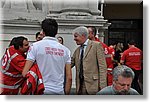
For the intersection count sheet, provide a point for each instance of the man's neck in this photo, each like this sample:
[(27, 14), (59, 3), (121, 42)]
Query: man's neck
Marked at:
[(130, 46)]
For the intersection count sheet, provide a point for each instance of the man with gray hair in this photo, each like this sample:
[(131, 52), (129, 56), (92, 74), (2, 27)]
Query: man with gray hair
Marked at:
[(90, 64), (122, 79)]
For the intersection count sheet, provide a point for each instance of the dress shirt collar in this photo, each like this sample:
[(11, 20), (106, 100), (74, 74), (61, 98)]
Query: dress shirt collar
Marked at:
[(86, 42)]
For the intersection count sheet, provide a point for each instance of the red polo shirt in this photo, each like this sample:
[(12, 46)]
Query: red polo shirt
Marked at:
[(132, 58)]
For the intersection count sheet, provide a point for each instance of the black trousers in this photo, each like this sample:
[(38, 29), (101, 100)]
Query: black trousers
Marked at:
[(135, 83)]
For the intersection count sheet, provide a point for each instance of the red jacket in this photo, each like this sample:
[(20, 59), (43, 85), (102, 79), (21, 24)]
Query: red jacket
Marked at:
[(33, 83), (108, 58), (12, 64)]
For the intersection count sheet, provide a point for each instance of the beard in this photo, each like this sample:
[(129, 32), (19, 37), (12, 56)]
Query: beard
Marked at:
[(122, 92)]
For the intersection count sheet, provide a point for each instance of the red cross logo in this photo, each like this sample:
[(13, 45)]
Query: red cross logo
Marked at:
[(4, 61)]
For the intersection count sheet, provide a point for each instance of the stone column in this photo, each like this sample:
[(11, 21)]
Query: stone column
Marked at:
[(88, 7), (101, 35)]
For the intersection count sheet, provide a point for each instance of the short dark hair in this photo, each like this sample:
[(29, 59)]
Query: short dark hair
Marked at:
[(38, 33), (19, 42), (131, 42), (113, 43), (50, 27)]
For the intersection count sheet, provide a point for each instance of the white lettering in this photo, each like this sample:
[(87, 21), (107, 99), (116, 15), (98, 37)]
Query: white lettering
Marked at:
[(134, 54)]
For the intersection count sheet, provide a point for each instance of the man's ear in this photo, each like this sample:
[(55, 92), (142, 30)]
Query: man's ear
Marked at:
[(83, 35), (42, 33)]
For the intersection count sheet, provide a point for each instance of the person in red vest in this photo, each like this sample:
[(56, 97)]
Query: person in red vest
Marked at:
[(132, 57), (92, 36), (12, 64), (112, 48)]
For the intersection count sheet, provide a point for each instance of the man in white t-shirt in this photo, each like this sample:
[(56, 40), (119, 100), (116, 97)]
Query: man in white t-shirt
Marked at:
[(52, 58)]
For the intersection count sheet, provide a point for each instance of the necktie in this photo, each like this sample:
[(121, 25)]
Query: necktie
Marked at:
[(81, 65)]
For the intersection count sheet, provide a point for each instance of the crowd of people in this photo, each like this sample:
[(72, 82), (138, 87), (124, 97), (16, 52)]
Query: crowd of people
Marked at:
[(45, 67)]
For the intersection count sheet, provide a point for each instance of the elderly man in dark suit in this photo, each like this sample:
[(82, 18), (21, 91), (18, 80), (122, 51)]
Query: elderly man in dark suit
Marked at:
[(90, 64)]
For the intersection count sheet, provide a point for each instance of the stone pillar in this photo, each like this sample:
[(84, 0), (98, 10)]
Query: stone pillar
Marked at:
[(102, 3), (74, 7), (101, 36)]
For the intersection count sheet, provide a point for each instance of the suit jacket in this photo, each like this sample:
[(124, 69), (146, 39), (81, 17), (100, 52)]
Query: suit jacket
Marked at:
[(94, 67)]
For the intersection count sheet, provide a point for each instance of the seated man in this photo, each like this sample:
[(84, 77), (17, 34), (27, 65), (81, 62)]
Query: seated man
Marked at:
[(122, 79)]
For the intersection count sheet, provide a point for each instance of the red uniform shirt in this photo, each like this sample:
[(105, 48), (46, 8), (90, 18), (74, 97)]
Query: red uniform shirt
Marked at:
[(107, 55), (112, 51), (132, 57)]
